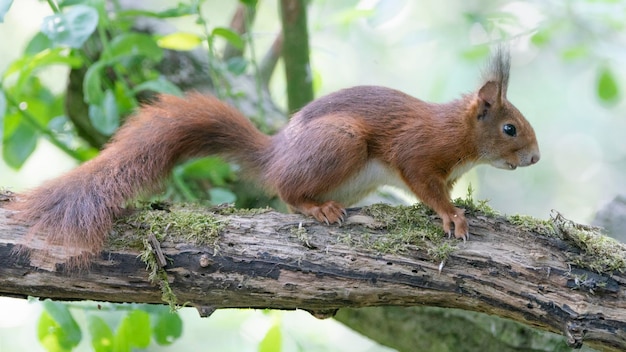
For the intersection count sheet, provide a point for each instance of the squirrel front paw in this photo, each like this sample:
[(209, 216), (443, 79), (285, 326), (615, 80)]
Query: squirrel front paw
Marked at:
[(461, 228)]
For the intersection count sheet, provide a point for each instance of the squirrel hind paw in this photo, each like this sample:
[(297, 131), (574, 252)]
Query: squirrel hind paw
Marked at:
[(329, 212)]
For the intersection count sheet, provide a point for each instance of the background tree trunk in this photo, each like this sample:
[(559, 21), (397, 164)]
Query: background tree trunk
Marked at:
[(296, 53)]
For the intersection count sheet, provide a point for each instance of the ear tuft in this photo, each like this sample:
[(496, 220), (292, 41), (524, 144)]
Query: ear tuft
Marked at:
[(497, 73)]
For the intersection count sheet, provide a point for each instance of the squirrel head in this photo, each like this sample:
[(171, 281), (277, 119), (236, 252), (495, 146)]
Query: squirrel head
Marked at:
[(505, 138)]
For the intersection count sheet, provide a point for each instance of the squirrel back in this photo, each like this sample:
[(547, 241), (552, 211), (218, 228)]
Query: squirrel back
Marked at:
[(331, 154)]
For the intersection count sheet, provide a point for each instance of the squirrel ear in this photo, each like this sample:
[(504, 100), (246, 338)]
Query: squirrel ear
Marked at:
[(490, 93)]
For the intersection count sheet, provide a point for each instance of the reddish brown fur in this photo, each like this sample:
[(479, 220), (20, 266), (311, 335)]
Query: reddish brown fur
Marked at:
[(363, 133)]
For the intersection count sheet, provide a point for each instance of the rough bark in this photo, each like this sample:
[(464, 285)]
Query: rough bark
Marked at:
[(281, 261)]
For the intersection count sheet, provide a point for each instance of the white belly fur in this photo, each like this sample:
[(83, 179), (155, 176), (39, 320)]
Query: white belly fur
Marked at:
[(460, 170), (373, 175), (376, 174)]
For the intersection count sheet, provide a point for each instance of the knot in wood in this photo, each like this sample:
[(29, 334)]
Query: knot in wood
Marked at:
[(205, 261)]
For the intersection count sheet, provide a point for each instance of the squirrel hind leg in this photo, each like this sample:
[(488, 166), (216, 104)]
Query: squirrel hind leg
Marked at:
[(313, 161)]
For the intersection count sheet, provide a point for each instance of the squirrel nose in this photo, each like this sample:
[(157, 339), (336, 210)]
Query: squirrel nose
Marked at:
[(535, 158)]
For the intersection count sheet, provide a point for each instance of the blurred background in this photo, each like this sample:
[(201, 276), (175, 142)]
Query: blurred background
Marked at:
[(567, 78)]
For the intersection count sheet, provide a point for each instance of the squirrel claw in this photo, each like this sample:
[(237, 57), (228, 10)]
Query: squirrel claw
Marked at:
[(465, 237)]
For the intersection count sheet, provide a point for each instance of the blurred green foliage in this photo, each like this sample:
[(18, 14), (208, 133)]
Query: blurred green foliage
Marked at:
[(114, 81), (111, 327)]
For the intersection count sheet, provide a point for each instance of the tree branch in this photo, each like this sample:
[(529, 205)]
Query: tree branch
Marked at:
[(286, 261)]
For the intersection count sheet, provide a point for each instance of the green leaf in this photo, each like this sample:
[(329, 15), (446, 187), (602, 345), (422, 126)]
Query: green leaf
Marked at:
[(12, 120), (19, 142), (54, 56), (213, 169), (575, 52), (180, 41), (476, 52), (249, 2), (220, 195), (92, 83), (26, 66), (237, 65), (5, 5), (317, 81), (541, 38), (233, 38), (133, 331), (272, 342), (38, 100), (86, 153), (134, 44), (38, 43), (72, 28), (58, 124), (160, 85), (181, 10), (3, 113), (22, 124), (57, 323), (167, 327), (101, 334), (125, 98), (348, 17), (50, 334), (607, 86), (105, 117), (69, 3), (3, 106)]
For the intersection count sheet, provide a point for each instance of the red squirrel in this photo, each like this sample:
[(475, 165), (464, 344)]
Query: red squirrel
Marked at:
[(332, 153)]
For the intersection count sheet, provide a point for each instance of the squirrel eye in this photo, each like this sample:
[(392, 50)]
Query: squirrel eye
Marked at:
[(510, 130)]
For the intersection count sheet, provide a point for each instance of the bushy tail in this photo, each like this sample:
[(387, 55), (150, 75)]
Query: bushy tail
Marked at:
[(70, 216)]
